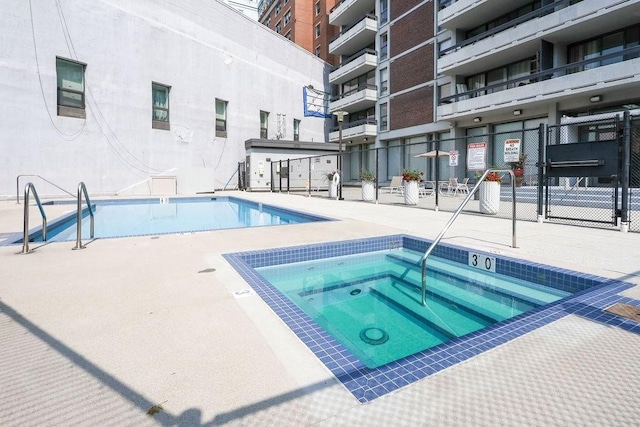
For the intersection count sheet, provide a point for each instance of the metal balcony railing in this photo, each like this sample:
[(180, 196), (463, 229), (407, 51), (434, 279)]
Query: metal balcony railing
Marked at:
[(545, 10), (356, 90), (552, 73)]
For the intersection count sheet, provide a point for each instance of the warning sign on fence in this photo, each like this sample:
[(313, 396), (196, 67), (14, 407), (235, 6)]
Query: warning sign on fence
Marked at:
[(511, 150)]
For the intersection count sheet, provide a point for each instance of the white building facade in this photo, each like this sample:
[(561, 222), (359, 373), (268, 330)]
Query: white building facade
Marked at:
[(114, 93)]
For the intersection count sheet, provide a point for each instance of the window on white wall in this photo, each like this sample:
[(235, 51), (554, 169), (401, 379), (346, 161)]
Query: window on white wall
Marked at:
[(221, 118), (296, 130), (264, 124), (160, 105), (70, 76)]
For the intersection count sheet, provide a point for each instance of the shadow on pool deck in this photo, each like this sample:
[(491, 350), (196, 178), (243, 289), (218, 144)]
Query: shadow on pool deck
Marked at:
[(72, 362)]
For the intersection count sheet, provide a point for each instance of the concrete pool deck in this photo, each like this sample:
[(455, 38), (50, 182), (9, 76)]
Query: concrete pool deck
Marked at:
[(100, 336)]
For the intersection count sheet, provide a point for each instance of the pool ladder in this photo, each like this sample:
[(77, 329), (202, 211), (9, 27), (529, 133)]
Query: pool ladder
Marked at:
[(455, 215), (82, 189), (25, 230)]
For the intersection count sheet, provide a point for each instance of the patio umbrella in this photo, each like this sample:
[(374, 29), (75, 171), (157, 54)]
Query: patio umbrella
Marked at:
[(433, 154)]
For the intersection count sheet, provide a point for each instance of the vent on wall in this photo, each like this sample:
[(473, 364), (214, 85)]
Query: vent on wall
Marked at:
[(164, 185)]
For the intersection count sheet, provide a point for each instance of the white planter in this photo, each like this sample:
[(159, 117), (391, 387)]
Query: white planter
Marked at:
[(333, 190), (368, 191), (489, 197), (411, 192)]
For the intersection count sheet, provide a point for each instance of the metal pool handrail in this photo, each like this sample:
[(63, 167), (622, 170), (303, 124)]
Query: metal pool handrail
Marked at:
[(455, 215), (82, 189), (25, 232), (37, 176)]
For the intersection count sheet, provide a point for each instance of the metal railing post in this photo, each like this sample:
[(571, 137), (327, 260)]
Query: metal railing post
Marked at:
[(25, 229), (82, 189), (455, 215)]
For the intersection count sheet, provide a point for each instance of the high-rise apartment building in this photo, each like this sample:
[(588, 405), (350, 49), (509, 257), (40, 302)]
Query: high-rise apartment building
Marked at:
[(249, 8), (406, 80), (354, 80), (304, 22), (490, 67)]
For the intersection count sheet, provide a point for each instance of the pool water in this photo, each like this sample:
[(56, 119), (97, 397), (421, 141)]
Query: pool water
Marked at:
[(516, 283), (139, 217), (371, 303)]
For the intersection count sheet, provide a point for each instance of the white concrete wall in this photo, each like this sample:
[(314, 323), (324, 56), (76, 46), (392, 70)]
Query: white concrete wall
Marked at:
[(203, 49)]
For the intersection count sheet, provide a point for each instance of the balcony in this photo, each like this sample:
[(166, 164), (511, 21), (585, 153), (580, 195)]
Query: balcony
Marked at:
[(470, 13), (356, 37), (521, 39), (358, 132), (348, 11), (361, 98), (360, 63), (566, 86)]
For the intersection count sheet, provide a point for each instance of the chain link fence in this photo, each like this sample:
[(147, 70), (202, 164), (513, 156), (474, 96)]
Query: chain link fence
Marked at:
[(450, 169)]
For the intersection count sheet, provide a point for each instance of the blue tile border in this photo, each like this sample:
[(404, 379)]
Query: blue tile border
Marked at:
[(590, 295)]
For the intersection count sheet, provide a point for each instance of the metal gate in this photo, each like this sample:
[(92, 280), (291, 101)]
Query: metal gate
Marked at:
[(585, 178)]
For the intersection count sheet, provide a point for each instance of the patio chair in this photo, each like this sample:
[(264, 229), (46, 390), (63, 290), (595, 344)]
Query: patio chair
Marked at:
[(427, 189), (449, 188), (395, 185), (463, 187)]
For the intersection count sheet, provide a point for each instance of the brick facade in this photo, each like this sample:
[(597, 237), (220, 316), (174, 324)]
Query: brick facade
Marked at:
[(411, 109), (301, 28), (411, 30), (398, 7), (411, 69)]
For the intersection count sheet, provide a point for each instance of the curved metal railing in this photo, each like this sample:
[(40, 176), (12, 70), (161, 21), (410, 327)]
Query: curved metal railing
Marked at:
[(82, 189), (36, 176), (25, 232), (455, 215)]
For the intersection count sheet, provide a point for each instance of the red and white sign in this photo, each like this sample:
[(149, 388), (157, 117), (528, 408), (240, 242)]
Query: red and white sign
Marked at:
[(477, 156), (453, 158), (511, 150)]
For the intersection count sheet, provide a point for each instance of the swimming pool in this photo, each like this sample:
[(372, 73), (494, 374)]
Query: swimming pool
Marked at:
[(577, 292), (153, 216)]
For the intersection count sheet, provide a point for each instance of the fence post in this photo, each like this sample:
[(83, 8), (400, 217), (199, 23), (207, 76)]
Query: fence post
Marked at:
[(626, 172), (377, 172), (541, 168)]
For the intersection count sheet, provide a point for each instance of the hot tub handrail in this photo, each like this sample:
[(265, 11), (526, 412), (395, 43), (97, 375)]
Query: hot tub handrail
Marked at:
[(25, 232), (82, 189), (455, 215)]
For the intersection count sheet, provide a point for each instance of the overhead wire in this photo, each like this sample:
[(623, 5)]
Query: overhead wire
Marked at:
[(63, 135), (103, 124), (140, 169)]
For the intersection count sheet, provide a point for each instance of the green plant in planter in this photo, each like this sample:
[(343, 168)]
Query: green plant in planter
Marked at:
[(367, 176)]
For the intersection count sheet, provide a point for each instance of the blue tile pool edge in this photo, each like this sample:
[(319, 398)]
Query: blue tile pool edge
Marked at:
[(591, 295)]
